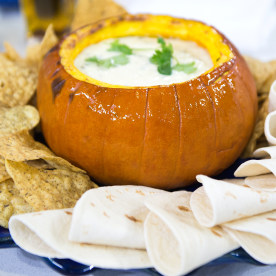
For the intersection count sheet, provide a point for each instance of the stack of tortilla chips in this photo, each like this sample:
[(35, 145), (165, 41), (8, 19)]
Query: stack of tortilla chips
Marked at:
[(32, 178)]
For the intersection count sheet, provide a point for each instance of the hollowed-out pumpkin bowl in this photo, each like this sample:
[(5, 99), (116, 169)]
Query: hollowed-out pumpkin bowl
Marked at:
[(158, 136)]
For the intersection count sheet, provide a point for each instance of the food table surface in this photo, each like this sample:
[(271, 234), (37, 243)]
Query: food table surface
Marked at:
[(255, 19), (16, 262)]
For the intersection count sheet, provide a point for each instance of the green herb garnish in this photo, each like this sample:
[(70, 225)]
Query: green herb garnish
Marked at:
[(116, 46), (109, 62), (162, 58), (187, 68), (121, 59)]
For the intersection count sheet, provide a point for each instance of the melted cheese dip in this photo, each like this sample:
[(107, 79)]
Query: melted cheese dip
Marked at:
[(140, 71)]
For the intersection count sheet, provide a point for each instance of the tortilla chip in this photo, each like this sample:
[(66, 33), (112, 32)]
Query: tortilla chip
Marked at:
[(11, 203), (21, 147), (49, 40), (18, 80), (264, 73), (11, 53), (257, 139), (36, 53), (17, 118), (90, 11), (3, 173), (18, 76), (39, 164), (48, 189)]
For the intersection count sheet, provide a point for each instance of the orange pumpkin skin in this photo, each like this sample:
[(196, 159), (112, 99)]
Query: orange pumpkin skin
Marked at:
[(161, 136)]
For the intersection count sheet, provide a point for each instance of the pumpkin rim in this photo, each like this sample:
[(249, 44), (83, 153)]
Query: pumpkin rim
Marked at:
[(143, 25)]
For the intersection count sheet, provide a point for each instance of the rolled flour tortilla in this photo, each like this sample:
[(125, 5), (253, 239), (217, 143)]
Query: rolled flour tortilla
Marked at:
[(256, 235), (46, 234), (112, 215), (270, 128), (175, 241), (270, 121), (105, 227), (272, 97), (265, 182), (266, 152), (220, 201), (256, 167)]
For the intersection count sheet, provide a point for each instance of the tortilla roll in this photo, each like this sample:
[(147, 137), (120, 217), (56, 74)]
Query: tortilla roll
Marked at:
[(270, 128), (256, 235), (264, 73), (266, 152), (220, 201), (46, 234), (175, 241), (272, 97), (23, 229), (256, 167), (266, 182), (112, 216)]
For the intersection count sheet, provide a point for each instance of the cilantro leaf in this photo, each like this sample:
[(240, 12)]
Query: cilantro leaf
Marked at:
[(120, 60), (162, 58), (116, 46), (109, 62), (161, 41), (92, 59), (187, 68), (106, 63)]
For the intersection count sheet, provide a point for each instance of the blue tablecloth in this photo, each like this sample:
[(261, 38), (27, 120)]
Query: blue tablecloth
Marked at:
[(16, 262)]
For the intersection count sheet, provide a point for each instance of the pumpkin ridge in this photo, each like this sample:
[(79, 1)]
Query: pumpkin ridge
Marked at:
[(217, 73), (225, 150), (214, 111), (246, 87), (145, 130), (104, 140), (237, 100), (179, 135), (70, 99)]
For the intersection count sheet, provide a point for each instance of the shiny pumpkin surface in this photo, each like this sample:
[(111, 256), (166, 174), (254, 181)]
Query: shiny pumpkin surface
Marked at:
[(159, 136)]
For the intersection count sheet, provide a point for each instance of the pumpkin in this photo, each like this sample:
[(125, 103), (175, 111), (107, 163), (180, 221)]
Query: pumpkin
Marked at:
[(158, 136)]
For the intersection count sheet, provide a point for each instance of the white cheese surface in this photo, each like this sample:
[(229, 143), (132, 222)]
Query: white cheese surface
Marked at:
[(140, 71)]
